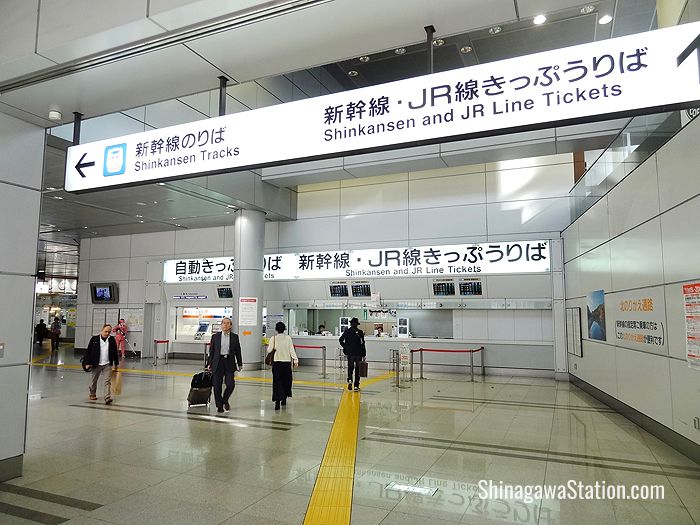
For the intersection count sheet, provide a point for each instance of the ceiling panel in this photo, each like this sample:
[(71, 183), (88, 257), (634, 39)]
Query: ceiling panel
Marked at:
[(342, 29), (120, 85), (531, 8)]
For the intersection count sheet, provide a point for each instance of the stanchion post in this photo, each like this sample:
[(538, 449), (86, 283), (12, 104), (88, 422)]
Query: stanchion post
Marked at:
[(167, 351), (396, 367), (155, 352), (323, 362), (421, 363), (483, 366), (411, 366), (471, 366)]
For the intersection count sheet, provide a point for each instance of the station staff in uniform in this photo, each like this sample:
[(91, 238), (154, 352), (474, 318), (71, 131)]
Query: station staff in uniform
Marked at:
[(224, 360), (353, 343)]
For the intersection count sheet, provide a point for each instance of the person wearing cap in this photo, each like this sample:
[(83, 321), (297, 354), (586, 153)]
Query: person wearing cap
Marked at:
[(353, 343)]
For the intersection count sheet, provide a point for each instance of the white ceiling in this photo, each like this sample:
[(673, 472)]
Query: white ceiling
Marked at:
[(155, 63)]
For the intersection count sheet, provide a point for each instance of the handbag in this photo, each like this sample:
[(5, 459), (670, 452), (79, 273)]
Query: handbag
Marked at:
[(363, 368), (270, 357)]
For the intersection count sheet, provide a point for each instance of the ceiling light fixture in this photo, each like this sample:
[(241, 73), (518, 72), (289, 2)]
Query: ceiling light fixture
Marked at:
[(605, 19), (140, 204), (161, 184), (85, 227), (141, 222), (539, 20), (173, 218), (51, 188), (400, 50), (139, 216), (495, 30), (230, 206), (587, 9), (364, 59), (438, 42), (465, 49), (55, 115), (352, 73), (58, 198), (155, 202)]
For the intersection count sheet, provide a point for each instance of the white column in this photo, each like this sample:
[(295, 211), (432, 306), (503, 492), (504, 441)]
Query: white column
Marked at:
[(248, 251), (22, 153)]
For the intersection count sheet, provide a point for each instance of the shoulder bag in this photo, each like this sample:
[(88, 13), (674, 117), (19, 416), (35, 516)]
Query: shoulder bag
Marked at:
[(270, 357)]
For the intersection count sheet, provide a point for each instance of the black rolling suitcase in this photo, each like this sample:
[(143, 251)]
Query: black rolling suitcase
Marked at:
[(200, 389)]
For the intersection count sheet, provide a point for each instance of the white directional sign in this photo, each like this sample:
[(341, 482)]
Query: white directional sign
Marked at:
[(642, 73)]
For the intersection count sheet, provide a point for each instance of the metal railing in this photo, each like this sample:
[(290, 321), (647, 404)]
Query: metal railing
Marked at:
[(157, 342), (323, 357), (471, 353)]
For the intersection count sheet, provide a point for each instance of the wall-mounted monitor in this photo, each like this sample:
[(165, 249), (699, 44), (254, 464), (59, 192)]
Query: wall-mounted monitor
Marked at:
[(339, 290), (443, 288), (361, 290), (104, 293), (224, 292), (470, 287)]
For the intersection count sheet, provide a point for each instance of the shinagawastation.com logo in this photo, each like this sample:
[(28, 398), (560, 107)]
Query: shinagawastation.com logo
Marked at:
[(571, 490)]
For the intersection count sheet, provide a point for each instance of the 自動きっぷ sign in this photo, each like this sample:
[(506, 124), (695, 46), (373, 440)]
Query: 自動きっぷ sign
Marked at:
[(642, 73), (420, 261)]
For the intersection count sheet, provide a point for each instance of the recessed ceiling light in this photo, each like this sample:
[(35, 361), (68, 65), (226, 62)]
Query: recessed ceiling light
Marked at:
[(94, 233), (139, 216), (352, 73), (465, 49), (85, 227), (51, 188), (161, 184), (605, 19), (58, 230), (55, 115), (140, 204), (539, 20), (400, 50), (177, 225), (364, 59), (58, 198), (587, 9), (173, 218), (438, 42), (495, 30), (228, 213), (141, 222), (230, 206), (155, 202)]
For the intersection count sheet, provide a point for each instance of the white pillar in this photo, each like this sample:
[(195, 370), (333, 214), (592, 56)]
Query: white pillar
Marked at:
[(248, 251), (22, 153)]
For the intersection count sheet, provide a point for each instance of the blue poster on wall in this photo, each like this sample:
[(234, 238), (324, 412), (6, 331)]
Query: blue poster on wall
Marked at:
[(596, 315)]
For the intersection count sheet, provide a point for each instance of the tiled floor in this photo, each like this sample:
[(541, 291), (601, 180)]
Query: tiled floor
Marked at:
[(147, 459)]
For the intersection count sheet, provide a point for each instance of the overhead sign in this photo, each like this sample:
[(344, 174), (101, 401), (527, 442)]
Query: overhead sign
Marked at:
[(425, 261), (642, 73)]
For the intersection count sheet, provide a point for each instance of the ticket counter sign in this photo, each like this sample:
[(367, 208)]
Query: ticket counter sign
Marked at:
[(635, 74), (691, 303), (418, 261)]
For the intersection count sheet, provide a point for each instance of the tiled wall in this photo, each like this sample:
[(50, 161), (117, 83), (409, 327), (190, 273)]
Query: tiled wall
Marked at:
[(512, 200), (643, 236), (21, 148)]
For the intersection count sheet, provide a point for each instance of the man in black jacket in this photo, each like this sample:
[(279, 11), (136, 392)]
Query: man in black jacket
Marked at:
[(101, 356), (224, 360), (353, 343)]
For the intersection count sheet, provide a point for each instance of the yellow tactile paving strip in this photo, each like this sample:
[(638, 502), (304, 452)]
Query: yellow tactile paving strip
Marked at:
[(331, 500), (35, 362)]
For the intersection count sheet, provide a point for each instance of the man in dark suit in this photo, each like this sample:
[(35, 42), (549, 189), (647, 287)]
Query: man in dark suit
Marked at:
[(101, 356), (224, 360)]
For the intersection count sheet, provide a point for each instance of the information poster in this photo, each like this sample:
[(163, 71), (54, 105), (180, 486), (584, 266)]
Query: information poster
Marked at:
[(133, 318), (112, 315), (691, 302), (596, 315), (248, 311), (98, 320), (638, 319)]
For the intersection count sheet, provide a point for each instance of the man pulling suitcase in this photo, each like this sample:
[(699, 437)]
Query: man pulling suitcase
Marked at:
[(224, 361)]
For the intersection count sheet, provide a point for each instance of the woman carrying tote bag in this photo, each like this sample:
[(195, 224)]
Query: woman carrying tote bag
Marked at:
[(283, 357)]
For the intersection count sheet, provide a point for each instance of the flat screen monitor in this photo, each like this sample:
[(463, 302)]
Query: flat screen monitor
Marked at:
[(470, 287), (104, 293), (361, 290), (225, 292), (443, 288), (339, 290)]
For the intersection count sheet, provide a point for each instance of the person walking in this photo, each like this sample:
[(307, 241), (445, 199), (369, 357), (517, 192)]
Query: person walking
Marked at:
[(40, 332), (55, 333), (120, 332), (284, 355), (102, 356), (224, 361), (353, 343)]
